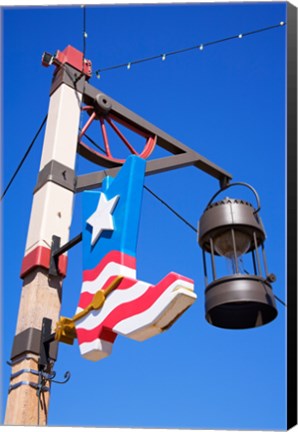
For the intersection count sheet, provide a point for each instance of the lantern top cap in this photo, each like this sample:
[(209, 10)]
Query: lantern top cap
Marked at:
[(228, 200), (235, 200), (223, 215)]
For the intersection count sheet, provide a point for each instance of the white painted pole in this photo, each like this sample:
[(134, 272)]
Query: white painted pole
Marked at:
[(51, 214)]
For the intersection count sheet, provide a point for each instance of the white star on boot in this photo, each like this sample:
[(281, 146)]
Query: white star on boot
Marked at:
[(102, 218)]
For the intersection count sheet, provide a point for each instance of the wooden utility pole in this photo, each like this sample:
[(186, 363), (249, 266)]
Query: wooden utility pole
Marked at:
[(51, 214)]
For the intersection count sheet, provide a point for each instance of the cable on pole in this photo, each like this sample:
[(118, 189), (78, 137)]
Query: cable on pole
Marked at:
[(94, 143), (85, 35), (170, 208), (152, 193), (201, 46), (23, 158), (280, 301)]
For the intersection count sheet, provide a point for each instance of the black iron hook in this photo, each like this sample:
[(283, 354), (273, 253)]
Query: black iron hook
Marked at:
[(67, 376)]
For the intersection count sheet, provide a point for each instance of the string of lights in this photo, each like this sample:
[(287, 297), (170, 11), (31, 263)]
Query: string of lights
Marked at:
[(199, 47)]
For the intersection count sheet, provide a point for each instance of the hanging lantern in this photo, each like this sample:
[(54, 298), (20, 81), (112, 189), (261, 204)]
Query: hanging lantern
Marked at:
[(240, 294)]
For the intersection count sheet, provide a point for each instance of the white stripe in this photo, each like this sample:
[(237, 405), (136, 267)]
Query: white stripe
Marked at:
[(116, 298), (111, 269), (146, 318), (96, 350), (176, 307)]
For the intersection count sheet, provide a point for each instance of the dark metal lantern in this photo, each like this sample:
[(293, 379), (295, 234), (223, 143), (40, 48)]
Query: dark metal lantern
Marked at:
[(232, 228)]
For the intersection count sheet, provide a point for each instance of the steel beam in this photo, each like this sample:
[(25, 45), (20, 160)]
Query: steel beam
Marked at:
[(120, 113), (155, 166)]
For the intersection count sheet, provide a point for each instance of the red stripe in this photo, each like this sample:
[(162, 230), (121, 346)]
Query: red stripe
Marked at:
[(86, 297), (103, 334), (40, 257), (113, 256), (131, 308), (107, 335)]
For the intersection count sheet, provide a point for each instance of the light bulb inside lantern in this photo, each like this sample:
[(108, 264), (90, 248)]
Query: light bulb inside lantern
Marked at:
[(223, 243)]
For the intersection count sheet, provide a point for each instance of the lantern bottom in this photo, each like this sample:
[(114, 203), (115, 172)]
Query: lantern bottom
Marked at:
[(240, 302)]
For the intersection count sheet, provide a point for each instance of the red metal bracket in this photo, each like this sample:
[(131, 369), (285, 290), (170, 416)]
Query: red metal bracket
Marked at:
[(71, 56)]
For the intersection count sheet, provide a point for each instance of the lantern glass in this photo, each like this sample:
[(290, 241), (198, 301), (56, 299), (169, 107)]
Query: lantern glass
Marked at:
[(224, 244)]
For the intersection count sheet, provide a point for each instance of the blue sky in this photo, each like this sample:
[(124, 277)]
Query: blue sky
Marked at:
[(228, 103)]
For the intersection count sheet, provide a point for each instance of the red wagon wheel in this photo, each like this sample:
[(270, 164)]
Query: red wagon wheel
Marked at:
[(108, 159)]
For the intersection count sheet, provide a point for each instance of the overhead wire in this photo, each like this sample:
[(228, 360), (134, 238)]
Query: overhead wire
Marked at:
[(94, 143), (170, 208), (200, 46), (162, 201), (151, 192), (84, 34), (178, 215), (280, 301), (83, 77), (190, 225), (128, 65), (100, 148), (24, 158)]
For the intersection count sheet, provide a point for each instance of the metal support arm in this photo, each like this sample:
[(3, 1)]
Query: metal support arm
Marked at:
[(181, 154), (156, 166)]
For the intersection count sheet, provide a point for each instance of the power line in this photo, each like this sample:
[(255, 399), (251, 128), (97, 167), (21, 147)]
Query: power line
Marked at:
[(45, 119), (151, 192), (183, 50), (94, 143), (170, 208), (280, 301), (178, 215), (190, 225), (85, 35), (24, 158), (82, 75), (145, 187)]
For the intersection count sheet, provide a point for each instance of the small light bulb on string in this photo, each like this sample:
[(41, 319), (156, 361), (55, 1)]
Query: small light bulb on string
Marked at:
[(85, 35), (200, 47), (97, 75)]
